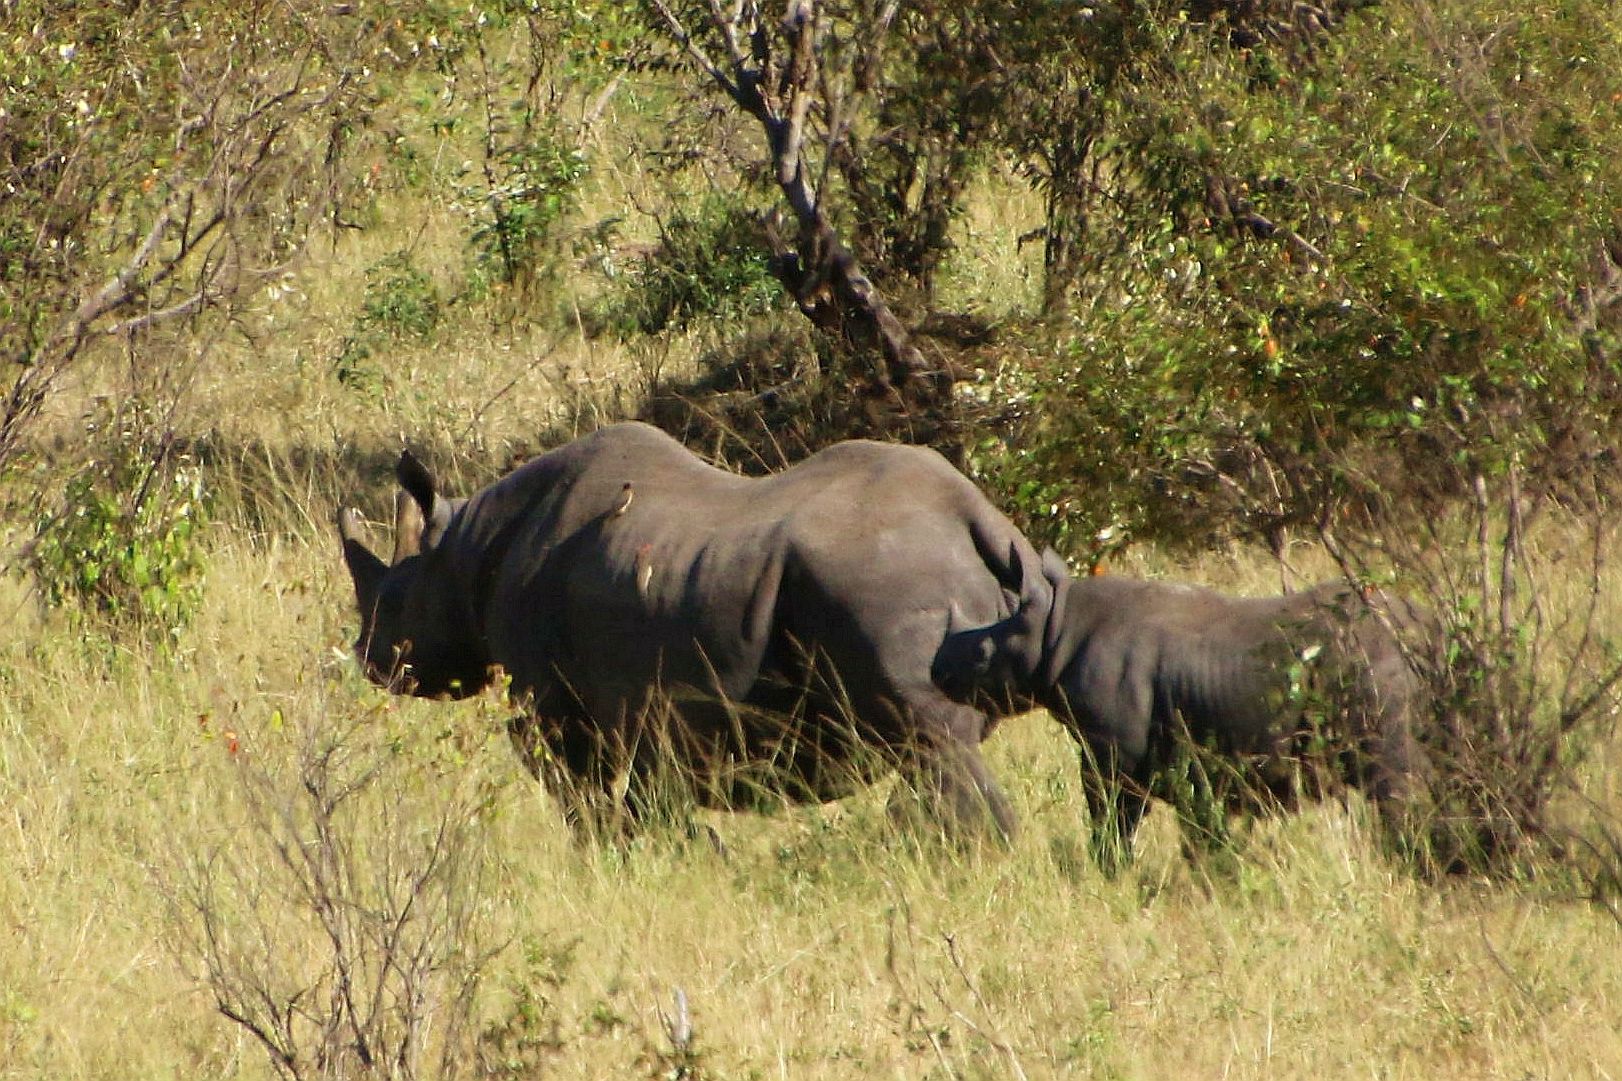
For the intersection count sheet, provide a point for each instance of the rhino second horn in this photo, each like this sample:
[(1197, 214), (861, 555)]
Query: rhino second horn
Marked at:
[(349, 524), (408, 523)]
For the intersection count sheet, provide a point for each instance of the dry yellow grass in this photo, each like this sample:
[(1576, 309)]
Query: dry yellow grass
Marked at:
[(817, 946)]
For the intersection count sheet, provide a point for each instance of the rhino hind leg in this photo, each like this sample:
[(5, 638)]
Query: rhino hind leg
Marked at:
[(1400, 784), (944, 768)]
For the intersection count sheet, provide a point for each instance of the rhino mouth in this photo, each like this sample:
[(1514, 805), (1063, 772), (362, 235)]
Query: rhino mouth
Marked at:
[(386, 666), (393, 670)]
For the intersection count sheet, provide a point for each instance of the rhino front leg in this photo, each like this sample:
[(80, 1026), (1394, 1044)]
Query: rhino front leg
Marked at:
[(1115, 806), (527, 735), (944, 766), (1116, 799), (571, 773)]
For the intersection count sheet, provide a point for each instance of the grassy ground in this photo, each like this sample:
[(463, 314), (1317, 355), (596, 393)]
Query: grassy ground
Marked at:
[(135, 782), (817, 946)]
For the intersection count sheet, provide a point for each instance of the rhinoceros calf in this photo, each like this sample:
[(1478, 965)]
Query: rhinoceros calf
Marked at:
[(782, 626), (1286, 691)]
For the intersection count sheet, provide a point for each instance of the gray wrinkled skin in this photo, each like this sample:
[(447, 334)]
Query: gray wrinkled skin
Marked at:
[(1290, 689), (789, 623)]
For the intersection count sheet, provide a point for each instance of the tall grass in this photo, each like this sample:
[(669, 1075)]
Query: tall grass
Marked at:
[(812, 944), (815, 946)]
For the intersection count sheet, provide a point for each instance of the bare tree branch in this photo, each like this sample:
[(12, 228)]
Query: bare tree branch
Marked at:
[(696, 51), (776, 82)]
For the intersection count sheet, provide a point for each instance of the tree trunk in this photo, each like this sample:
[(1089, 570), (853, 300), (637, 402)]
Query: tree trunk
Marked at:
[(775, 85)]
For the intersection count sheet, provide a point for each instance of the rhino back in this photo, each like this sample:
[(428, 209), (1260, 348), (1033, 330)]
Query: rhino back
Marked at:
[(882, 543), (1144, 654), (556, 579), (1149, 653), (707, 578)]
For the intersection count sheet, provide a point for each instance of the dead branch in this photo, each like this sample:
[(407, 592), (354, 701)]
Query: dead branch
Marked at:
[(775, 82)]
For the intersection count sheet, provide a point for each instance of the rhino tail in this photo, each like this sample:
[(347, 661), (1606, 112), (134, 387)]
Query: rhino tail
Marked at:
[(962, 663)]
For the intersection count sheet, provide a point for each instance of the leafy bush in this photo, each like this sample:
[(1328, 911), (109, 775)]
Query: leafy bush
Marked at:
[(400, 303), (400, 300), (125, 542), (519, 1041), (710, 261), (1395, 259), (1522, 681), (529, 189), (151, 156)]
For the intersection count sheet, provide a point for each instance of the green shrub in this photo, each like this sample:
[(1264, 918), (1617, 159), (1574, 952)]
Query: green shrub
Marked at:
[(710, 262), (400, 303), (125, 543), (1391, 263), (400, 300), (1520, 670), (530, 189), (156, 162)]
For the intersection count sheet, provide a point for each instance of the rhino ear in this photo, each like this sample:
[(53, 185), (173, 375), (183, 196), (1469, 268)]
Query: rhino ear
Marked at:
[(435, 510), (415, 478), (365, 568), (1016, 569)]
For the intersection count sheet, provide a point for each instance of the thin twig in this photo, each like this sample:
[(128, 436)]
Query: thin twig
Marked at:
[(993, 1038)]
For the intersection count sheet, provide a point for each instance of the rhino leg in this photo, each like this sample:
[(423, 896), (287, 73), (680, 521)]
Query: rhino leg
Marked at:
[(1400, 781), (1114, 781), (944, 765), (538, 754), (568, 762), (1115, 806)]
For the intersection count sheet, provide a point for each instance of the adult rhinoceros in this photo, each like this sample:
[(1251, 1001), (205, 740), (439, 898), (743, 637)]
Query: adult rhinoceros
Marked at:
[(1285, 691), (781, 627)]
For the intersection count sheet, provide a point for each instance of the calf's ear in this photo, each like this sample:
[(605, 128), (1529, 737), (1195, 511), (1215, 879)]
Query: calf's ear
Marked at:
[(365, 568)]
